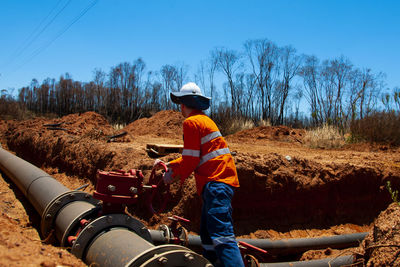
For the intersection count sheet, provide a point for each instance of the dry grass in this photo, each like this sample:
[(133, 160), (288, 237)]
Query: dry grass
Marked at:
[(237, 125), (118, 126), (326, 137)]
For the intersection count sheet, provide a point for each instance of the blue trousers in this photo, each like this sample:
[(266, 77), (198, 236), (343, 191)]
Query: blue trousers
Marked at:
[(216, 229)]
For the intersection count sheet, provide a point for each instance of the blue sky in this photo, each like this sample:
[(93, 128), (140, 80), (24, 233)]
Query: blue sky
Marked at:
[(176, 31)]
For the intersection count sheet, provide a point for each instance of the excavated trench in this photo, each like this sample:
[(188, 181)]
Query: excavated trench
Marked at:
[(309, 194)]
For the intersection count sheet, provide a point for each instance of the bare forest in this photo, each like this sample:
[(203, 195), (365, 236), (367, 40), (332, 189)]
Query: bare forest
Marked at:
[(316, 145), (262, 83)]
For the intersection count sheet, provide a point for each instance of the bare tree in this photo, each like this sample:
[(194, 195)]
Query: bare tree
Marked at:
[(206, 78), (311, 74), (290, 65), (169, 75), (228, 61), (181, 74), (263, 57), (100, 92)]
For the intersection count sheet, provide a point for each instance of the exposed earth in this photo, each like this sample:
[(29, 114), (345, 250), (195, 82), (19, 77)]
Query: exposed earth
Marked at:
[(288, 190)]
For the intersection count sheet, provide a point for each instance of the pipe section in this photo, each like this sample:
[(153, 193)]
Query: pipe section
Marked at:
[(280, 247), (116, 240), (329, 262), (37, 186)]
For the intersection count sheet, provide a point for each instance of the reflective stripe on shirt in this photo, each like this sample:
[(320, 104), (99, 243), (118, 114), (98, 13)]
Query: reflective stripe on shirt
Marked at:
[(210, 137), (191, 152), (213, 154)]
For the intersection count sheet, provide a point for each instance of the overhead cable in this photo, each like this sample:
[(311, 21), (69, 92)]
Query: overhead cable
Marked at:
[(36, 32), (46, 45)]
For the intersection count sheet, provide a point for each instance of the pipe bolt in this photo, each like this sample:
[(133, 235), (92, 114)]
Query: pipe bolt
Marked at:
[(111, 188), (162, 260), (188, 256), (208, 265), (48, 216), (109, 219), (133, 190)]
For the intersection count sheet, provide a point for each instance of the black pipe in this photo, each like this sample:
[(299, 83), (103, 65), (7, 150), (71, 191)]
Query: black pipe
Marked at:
[(112, 240), (38, 187), (283, 246), (328, 262)]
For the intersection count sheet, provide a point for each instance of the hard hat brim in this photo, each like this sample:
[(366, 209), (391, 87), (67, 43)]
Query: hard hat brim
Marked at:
[(191, 100)]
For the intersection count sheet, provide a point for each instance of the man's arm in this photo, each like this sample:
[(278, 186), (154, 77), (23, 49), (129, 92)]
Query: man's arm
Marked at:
[(185, 165)]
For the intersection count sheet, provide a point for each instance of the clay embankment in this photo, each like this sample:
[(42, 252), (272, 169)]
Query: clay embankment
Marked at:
[(310, 193)]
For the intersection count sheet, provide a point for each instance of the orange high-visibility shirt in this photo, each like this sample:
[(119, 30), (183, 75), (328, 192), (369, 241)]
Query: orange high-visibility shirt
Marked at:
[(205, 152)]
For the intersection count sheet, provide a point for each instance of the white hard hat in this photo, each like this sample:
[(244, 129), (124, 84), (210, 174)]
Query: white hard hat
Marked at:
[(191, 96)]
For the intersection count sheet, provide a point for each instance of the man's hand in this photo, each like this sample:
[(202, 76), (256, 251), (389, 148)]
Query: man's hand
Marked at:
[(167, 176), (157, 164)]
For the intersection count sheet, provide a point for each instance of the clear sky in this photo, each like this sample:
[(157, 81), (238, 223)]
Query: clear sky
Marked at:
[(47, 38)]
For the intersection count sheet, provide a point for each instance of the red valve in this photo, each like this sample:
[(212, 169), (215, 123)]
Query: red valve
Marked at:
[(118, 188)]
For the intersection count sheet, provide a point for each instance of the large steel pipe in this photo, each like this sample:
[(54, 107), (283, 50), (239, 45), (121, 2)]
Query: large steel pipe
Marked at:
[(115, 240), (329, 262), (47, 195), (38, 187), (280, 247)]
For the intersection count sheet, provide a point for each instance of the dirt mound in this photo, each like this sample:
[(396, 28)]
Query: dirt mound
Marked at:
[(382, 245), (167, 123), (73, 143), (287, 190), (88, 123), (21, 250), (20, 243), (85, 123), (274, 133)]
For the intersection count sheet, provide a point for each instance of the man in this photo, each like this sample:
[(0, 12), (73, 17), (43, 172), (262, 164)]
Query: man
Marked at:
[(205, 152)]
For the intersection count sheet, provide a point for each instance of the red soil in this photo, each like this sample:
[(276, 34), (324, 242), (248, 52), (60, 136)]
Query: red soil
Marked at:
[(287, 189)]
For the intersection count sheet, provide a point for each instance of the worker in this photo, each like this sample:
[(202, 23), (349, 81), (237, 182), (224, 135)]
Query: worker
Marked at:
[(205, 152)]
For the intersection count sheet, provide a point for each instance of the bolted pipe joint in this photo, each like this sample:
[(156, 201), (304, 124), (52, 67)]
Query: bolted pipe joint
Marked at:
[(169, 256)]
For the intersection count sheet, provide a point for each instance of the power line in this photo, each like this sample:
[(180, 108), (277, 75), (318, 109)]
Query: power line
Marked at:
[(36, 33), (42, 48)]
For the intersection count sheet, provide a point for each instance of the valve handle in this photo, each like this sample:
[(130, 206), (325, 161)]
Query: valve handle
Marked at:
[(160, 194), (179, 219)]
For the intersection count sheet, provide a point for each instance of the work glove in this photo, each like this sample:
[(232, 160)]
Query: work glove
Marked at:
[(156, 163), (167, 176)]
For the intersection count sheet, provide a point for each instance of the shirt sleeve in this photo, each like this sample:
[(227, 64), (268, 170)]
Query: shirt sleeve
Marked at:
[(187, 163)]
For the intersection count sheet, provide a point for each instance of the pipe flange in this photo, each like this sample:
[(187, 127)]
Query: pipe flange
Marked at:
[(87, 214), (51, 210), (106, 222), (168, 256)]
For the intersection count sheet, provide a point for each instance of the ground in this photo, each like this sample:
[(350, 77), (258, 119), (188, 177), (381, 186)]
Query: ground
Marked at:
[(287, 190)]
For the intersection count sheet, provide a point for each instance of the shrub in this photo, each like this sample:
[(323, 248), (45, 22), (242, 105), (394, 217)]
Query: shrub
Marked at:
[(11, 109), (394, 194), (229, 123), (326, 136), (380, 127)]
